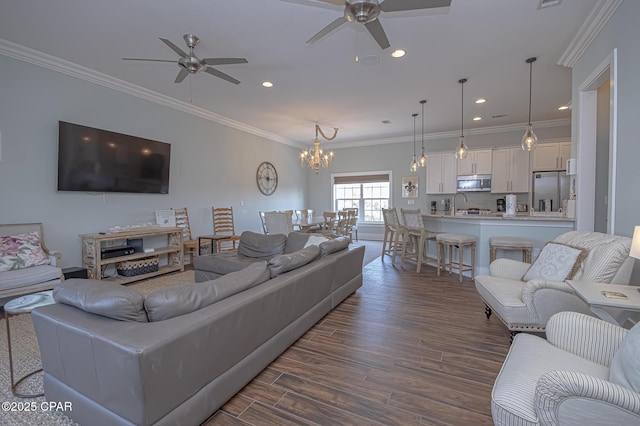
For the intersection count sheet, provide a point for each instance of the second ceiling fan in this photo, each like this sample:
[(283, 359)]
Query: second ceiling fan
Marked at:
[(367, 11)]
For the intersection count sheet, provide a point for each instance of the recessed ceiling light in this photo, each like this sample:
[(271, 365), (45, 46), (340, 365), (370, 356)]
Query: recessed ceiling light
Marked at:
[(563, 107), (398, 53), (481, 101), (267, 84), (477, 118)]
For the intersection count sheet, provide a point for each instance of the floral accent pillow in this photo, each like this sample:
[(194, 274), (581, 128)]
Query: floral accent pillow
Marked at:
[(21, 251), (556, 262)]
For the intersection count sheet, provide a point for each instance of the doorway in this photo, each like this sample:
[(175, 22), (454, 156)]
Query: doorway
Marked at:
[(596, 149)]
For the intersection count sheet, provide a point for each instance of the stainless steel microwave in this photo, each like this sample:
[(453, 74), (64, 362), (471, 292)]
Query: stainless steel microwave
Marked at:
[(474, 183)]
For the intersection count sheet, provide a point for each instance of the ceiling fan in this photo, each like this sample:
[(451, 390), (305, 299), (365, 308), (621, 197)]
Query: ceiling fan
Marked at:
[(190, 64), (367, 11)]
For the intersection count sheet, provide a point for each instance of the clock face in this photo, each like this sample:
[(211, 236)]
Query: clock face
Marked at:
[(267, 178)]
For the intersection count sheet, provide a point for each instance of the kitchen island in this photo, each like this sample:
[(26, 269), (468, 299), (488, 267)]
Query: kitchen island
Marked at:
[(539, 229)]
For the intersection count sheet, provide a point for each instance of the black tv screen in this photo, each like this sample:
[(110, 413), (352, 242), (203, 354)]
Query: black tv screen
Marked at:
[(95, 160)]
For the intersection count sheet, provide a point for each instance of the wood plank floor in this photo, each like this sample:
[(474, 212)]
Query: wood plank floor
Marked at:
[(405, 349)]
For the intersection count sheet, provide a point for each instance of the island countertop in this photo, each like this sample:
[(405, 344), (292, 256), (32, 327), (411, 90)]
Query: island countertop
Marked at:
[(497, 216)]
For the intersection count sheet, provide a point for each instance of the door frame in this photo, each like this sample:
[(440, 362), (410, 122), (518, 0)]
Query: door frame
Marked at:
[(586, 143)]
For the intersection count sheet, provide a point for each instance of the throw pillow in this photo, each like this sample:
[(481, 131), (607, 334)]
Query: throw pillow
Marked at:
[(556, 262), (334, 245), (287, 262), (296, 241), (102, 298), (625, 365), (257, 245), (315, 240), (172, 302), (21, 251)]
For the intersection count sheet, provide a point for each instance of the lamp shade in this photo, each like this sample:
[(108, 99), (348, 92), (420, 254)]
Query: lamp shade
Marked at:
[(635, 243)]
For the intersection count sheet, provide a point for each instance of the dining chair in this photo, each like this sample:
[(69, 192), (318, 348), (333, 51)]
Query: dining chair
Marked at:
[(305, 215), (354, 220), (392, 239), (278, 222), (414, 229), (223, 225), (329, 223), (189, 244)]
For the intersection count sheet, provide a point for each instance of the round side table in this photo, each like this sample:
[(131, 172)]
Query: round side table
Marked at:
[(23, 305)]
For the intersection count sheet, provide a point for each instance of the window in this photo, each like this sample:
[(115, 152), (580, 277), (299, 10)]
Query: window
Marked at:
[(369, 193)]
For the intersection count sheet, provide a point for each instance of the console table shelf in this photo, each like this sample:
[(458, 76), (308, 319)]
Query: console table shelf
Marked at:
[(170, 251)]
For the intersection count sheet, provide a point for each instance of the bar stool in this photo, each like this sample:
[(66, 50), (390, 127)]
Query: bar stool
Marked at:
[(460, 241), (510, 243)]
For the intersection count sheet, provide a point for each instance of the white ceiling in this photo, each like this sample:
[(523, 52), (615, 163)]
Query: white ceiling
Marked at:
[(486, 41)]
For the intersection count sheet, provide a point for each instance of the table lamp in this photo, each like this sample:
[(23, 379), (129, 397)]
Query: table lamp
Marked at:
[(635, 243)]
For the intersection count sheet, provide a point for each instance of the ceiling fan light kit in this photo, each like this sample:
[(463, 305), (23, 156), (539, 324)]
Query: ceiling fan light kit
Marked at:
[(367, 12), (190, 64), (529, 139)]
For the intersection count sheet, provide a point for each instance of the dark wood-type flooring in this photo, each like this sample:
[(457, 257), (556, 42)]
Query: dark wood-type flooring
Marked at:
[(405, 349)]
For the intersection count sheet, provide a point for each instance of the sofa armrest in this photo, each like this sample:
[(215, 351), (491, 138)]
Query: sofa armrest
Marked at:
[(585, 336), (508, 268), (617, 404), (55, 257)]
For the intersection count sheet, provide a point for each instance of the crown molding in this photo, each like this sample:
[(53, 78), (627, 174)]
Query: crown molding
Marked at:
[(453, 134), (600, 14), (44, 60)]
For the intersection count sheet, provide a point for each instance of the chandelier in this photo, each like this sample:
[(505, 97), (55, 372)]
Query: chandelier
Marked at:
[(314, 158)]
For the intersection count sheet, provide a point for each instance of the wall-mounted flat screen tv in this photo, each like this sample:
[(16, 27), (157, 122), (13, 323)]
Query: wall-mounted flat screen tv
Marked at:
[(95, 160)]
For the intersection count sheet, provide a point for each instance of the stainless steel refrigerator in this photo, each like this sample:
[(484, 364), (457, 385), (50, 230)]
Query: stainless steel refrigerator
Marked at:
[(552, 186)]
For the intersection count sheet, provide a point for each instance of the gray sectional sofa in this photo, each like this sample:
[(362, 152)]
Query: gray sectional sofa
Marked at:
[(178, 355)]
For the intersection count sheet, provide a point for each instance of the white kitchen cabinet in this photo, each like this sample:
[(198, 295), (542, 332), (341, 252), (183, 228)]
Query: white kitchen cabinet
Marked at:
[(510, 171), (476, 163), (551, 156), (441, 173)]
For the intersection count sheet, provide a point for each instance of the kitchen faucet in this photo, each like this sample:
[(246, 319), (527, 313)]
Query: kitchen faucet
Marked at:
[(453, 208)]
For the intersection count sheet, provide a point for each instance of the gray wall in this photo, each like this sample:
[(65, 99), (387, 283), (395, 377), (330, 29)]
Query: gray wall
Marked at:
[(211, 164), (621, 32)]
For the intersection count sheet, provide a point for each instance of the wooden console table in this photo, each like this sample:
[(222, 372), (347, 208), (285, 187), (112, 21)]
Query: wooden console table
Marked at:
[(92, 245)]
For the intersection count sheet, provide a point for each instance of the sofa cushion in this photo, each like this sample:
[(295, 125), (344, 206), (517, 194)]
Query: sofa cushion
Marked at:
[(315, 240), (334, 245), (287, 262), (172, 302), (556, 262), (223, 263), (18, 278), (257, 245), (296, 241), (102, 298), (625, 365), (21, 251)]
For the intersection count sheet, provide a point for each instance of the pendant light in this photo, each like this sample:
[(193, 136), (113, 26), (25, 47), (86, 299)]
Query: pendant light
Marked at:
[(462, 150), (529, 140), (422, 161), (414, 164)]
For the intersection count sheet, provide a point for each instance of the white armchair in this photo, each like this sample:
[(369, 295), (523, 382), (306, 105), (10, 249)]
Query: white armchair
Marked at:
[(528, 305), (587, 372)]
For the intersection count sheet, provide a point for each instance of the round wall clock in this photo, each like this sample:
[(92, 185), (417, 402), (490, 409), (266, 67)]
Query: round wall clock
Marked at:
[(267, 178)]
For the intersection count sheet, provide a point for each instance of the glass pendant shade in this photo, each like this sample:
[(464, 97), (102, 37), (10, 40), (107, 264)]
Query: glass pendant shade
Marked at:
[(414, 165), (529, 139), (422, 161), (462, 150)]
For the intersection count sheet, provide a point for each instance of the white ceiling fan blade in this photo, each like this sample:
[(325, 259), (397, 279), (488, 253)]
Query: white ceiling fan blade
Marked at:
[(336, 2), (221, 75), (326, 30), (223, 61), (174, 47), (148, 60), (399, 5), (375, 29), (181, 75)]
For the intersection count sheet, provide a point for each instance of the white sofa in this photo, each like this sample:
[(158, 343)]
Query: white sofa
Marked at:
[(587, 372), (528, 305), (16, 282)]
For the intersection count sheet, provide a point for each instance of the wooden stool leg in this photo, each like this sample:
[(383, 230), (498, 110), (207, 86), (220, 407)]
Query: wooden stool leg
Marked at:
[(473, 261), (420, 253), (460, 260), (450, 262), (439, 256)]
